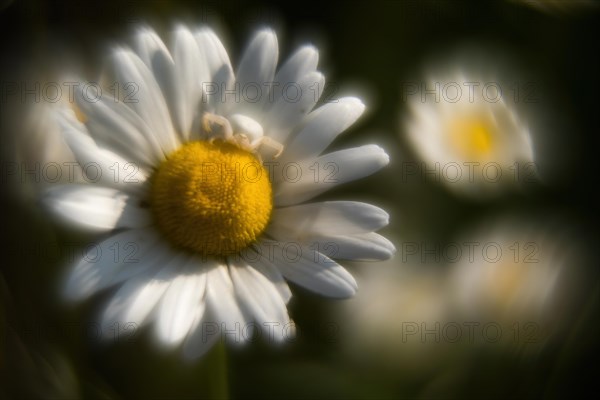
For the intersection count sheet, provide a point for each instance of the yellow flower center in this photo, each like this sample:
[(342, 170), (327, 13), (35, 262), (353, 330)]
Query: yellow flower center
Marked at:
[(211, 198), (472, 137), (506, 281)]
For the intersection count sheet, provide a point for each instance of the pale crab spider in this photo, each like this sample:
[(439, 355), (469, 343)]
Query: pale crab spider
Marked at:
[(242, 131)]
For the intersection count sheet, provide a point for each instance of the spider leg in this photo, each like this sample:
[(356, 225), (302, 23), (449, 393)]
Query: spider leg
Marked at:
[(270, 143), (208, 120)]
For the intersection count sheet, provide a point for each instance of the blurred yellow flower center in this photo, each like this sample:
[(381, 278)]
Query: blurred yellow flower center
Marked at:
[(473, 138), (505, 282), (211, 198)]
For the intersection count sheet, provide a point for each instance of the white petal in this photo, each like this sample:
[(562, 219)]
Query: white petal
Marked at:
[(270, 271), (115, 126), (260, 58), (221, 300), (148, 101), (137, 298), (95, 207), (111, 261), (219, 74), (322, 127), (155, 55), (341, 167), (100, 166), (188, 70), (182, 303), (134, 302), (201, 339), (302, 63), (364, 247), (309, 268), (260, 298), (298, 99), (150, 47), (256, 72), (327, 218)]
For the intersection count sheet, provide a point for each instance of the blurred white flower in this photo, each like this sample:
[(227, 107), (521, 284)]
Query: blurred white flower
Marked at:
[(42, 158), (467, 135), (390, 322), (192, 181), (516, 271)]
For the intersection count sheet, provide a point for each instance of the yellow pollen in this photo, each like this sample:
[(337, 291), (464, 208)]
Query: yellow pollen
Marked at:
[(472, 138), (211, 198)]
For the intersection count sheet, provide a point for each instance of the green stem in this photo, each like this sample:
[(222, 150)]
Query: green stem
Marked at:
[(214, 368)]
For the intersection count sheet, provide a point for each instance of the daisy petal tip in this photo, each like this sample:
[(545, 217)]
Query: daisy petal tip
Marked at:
[(120, 54), (385, 158), (389, 253), (269, 37), (266, 34), (80, 283), (344, 290), (385, 220), (310, 52), (264, 37), (181, 32), (345, 293), (353, 107), (205, 31), (388, 249), (382, 156), (354, 104), (166, 338), (317, 76), (181, 28)]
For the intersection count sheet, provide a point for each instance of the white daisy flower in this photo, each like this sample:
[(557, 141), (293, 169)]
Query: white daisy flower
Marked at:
[(467, 135), (201, 180)]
